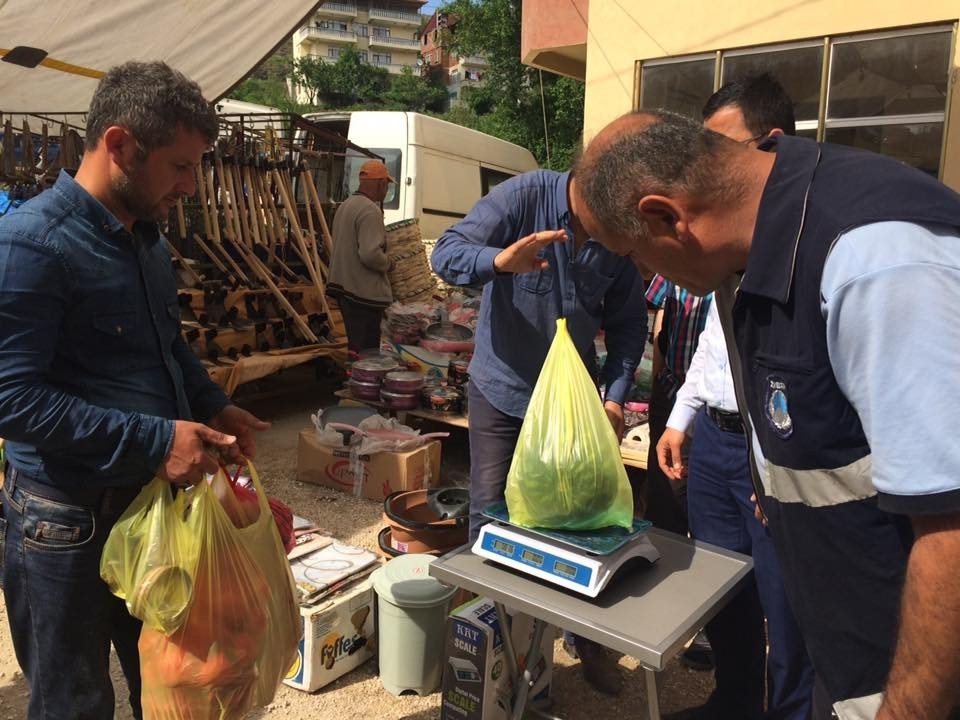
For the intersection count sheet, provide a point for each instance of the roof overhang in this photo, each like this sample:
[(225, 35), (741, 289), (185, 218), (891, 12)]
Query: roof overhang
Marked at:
[(52, 54)]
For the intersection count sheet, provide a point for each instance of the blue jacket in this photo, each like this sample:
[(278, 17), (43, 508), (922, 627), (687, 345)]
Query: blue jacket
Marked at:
[(842, 549), (93, 369)]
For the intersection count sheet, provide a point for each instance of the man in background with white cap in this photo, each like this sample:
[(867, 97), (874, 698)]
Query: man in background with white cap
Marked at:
[(358, 267)]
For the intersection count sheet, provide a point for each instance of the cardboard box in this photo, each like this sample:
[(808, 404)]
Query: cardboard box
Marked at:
[(337, 637), (476, 680), (369, 476)]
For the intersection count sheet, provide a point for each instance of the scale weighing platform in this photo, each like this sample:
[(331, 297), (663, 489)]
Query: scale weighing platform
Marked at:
[(583, 561)]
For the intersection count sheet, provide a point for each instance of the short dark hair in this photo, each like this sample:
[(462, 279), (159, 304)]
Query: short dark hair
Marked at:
[(762, 100), (150, 99), (672, 155)]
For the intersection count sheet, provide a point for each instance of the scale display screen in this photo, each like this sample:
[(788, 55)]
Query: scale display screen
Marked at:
[(565, 569), (532, 558), (504, 547)]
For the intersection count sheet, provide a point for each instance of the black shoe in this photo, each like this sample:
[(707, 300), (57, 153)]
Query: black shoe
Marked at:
[(712, 710), (599, 667), (701, 712)]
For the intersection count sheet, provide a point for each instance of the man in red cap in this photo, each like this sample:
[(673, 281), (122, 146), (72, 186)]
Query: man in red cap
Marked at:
[(359, 264)]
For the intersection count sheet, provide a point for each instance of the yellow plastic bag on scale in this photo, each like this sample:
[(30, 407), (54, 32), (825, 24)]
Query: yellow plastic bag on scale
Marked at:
[(567, 472)]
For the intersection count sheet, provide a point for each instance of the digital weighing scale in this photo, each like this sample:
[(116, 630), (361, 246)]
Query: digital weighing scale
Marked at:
[(583, 561)]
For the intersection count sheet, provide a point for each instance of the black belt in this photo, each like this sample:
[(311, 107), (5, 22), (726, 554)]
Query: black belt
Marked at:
[(103, 500), (727, 421)]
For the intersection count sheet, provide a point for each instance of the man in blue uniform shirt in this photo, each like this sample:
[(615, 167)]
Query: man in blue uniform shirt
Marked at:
[(98, 391), (525, 245), (818, 253), (719, 484)]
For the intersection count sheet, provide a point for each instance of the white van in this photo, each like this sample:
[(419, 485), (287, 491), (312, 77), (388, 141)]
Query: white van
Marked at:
[(441, 169), (256, 116)]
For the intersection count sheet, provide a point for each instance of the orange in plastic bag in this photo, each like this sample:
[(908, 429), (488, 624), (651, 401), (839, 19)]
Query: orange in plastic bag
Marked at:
[(241, 632)]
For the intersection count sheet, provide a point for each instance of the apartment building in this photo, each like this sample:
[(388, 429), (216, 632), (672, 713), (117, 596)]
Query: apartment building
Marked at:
[(385, 34), (876, 74), (459, 72)]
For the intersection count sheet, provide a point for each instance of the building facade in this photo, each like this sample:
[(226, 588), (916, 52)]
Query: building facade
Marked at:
[(458, 72), (385, 34), (880, 75)]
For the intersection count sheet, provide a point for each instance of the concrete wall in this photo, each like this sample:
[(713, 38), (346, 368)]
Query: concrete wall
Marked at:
[(553, 35), (621, 33)]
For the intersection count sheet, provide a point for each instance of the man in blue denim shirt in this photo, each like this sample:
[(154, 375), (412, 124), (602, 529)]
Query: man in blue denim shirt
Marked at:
[(524, 244), (98, 391)]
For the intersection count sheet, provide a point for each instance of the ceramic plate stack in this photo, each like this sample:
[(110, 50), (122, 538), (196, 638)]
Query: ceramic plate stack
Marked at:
[(410, 275), (325, 570), (405, 323)]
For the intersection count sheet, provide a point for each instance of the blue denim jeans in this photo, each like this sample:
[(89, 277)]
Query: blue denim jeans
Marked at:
[(62, 616), (718, 498), (493, 438)]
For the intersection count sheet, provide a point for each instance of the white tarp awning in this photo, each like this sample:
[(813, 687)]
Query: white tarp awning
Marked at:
[(214, 42)]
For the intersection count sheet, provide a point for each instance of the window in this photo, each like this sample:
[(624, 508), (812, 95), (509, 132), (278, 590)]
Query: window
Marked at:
[(681, 86), (351, 174), (885, 92), (361, 29), (333, 25), (382, 58), (797, 68), (916, 144), (889, 75), (333, 53), (489, 179), (381, 31), (363, 56), (888, 93)]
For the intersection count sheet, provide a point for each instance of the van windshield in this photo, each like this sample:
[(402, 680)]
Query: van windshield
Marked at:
[(351, 174)]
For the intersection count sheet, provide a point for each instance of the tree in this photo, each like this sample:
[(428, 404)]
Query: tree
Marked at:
[(348, 82), (315, 76), (267, 84), (508, 104), (415, 93)]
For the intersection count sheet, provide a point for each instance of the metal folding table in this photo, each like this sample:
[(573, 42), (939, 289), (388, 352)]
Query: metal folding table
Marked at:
[(648, 612)]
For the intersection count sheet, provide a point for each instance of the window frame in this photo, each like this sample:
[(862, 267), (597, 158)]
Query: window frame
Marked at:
[(487, 174), (828, 42), (784, 47), (861, 121), (673, 60)]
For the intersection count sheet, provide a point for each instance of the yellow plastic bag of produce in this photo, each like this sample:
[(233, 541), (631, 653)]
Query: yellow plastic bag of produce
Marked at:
[(239, 634), (150, 557), (567, 472)]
